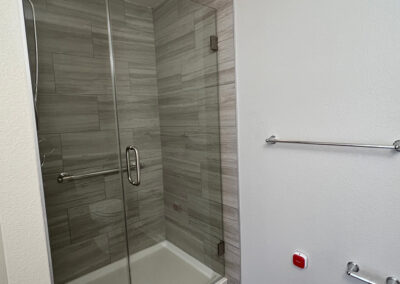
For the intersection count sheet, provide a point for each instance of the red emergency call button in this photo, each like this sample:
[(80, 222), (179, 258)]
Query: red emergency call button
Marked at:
[(299, 259)]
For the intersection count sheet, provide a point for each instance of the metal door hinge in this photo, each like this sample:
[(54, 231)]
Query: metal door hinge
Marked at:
[(221, 248), (214, 43)]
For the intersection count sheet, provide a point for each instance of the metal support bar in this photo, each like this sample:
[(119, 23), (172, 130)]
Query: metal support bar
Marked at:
[(395, 146), (214, 43), (62, 177)]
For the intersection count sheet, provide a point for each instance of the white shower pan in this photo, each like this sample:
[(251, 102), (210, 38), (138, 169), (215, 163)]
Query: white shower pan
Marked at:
[(163, 263)]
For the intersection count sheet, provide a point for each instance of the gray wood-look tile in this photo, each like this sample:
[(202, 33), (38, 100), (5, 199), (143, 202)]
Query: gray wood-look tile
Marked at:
[(50, 153), (67, 113), (112, 185), (60, 197), (117, 245), (180, 108), (166, 14), (81, 75), (60, 33), (227, 103), (168, 83), (76, 12), (176, 208), (148, 140), (74, 260), (174, 31), (232, 264), (140, 111), (46, 70), (198, 70), (88, 221), (77, 117), (59, 232), (189, 117), (89, 151), (143, 80), (181, 236), (206, 212), (229, 167), (231, 231), (147, 3), (100, 41), (146, 232)]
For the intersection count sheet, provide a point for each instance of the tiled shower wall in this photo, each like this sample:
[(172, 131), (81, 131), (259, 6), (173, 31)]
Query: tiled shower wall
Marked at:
[(228, 131), (76, 112), (188, 34), (187, 71), (78, 133)]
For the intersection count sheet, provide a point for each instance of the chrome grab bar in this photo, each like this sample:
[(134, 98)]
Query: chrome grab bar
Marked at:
[(395, 146), (353, 270), (128, 162), (392, 280), (62, 177)]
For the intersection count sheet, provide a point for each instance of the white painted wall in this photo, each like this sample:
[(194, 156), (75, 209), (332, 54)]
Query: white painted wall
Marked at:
[(22, 218), (3, 266), (318, 70)]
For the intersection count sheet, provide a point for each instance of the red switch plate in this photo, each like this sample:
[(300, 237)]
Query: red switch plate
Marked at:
[(300, 260)]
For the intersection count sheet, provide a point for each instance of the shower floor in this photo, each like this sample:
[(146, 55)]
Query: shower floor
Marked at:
[(163, 263)]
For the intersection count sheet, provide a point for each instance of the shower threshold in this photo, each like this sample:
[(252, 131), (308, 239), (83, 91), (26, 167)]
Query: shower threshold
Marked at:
[(163, 263)]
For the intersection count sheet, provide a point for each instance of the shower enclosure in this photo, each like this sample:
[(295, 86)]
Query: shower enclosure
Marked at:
[(128, 125)]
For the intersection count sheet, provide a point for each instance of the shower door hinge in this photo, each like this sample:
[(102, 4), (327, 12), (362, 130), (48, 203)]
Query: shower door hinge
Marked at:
[(214, 43), (221, 248)]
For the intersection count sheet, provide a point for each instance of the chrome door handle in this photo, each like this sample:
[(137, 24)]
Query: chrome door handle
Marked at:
[(128, 163)]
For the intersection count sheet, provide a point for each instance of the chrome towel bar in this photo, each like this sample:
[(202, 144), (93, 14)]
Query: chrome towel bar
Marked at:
[(62, 177), (395, 146), (353, 270)]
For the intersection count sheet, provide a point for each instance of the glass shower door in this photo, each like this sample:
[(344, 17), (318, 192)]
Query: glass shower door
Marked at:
[(78, 140), (168, 105), (138, 119), (118, 81)]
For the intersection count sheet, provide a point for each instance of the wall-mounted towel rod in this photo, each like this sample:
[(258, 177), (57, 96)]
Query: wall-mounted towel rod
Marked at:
[(395, 146), (62, 177), (353, 270)]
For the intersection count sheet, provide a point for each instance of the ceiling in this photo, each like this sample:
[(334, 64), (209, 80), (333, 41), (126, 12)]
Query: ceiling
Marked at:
[(148, 3)]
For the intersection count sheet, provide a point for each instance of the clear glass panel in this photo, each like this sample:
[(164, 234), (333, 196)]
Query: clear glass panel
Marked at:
[(168, 106), (30, 38), (165, 102), (78, 135), (137, 104)]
